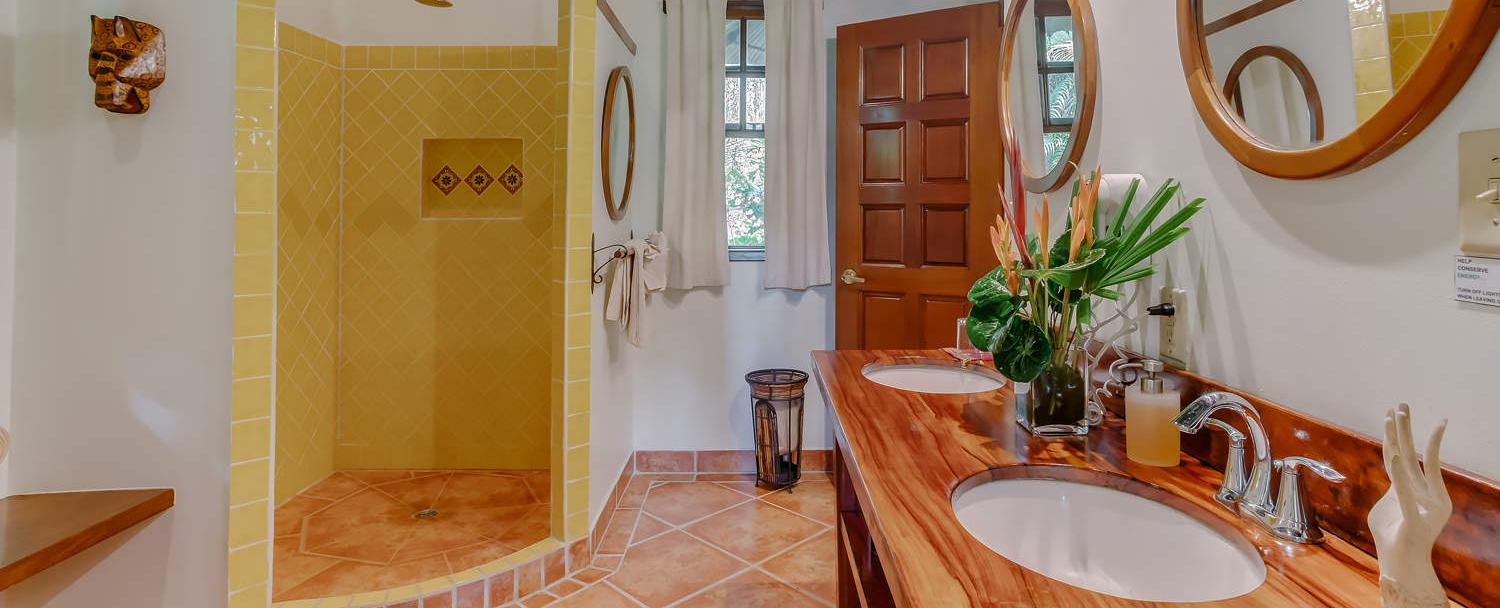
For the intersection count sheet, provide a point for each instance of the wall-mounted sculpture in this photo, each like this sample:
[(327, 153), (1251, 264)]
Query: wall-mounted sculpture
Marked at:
[(1407, 520), (128, 59)]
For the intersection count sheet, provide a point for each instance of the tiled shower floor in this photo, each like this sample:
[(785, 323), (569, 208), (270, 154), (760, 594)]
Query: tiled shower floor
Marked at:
[(359, 531)]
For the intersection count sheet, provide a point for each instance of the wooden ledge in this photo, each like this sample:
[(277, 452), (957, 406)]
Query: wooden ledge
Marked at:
[(38, 531)]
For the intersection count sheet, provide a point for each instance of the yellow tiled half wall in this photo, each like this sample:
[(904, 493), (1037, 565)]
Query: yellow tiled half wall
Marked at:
[(307, 286), (254, 305), (444, 321), (1372, 57), (1411, 34)]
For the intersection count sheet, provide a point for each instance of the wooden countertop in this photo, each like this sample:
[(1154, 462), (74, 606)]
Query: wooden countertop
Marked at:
[(907, 452), (38, 531)]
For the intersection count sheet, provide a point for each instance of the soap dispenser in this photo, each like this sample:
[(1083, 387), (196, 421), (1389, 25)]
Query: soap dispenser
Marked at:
[(1150, 436)]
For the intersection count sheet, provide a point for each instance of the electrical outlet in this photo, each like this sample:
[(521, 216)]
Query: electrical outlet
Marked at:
[(1173, 342)]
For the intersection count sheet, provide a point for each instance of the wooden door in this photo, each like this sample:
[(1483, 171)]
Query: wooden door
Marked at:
[(918, 159)]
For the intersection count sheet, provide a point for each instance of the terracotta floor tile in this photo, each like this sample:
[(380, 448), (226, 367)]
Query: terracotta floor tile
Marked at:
[(680, 503), (368, 527), (288, 517), (648, 527), (440, 600), (470, 596), (748, 488), (435, 536), (591, 575), (416, 493), (750, 477), (565, 588), (654, 572), (351, 577), (810, 567), (468, 491), (755, 531), (597, 596), (514, 526), (538, 600), (664, 462), (635, 490), (812, 497), (751, 590), (726, 461), (336, 486), (477, 555), (608, 563), (618, 535), (379, 476), (293, 567)]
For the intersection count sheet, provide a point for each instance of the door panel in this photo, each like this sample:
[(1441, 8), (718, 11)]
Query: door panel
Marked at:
[(917, 161)]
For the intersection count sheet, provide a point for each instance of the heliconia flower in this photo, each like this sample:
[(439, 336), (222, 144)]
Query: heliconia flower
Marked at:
[(1043, 225), (1000, 241), (1015, 215)]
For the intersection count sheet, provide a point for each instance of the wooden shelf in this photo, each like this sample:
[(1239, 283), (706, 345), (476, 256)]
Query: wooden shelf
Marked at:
[(38, 531)]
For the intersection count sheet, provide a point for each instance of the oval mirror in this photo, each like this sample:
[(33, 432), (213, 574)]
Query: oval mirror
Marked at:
[(1048, 82), (617, 142), (1267, 76), (1276, 97)]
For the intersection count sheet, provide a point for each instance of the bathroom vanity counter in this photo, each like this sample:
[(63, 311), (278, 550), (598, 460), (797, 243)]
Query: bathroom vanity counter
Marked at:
[(901, 455)]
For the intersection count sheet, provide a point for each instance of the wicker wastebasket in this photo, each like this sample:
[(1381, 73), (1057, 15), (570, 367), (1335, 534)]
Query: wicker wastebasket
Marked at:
[(776, 404)]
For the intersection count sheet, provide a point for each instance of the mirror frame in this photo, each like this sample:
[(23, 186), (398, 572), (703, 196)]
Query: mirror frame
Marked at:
[(620, 75), (1292, 62), (1086, 72), (1456, 49)]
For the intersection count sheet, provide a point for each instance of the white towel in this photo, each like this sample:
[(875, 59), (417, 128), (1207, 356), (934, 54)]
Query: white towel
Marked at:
[(643, 269)]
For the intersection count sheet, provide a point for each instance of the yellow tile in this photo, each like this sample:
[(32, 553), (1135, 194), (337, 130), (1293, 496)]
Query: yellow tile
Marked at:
[(1396, 24), (1369, 42), (403, 57), (579, 298), (268, 3), (252, 357), (255, 67), (254, 233), (380, 57), (253, 315), (356, 57), (476, 57), (250, 597), (255, 26), (254, 150), (451, 57), (247, 524), (577, 463), (248, 566), (578, 525), (254, 274), (250, 440), (498, 57), (254, 192), (250, 398), (578, 430), (249, 482), (427, 57), (1367, 104), (254, 109), (1372, 75), (369, 598), (578, 492), (545, 57)]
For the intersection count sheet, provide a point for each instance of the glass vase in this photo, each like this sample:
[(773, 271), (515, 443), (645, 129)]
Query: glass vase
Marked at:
[(1058, 404)]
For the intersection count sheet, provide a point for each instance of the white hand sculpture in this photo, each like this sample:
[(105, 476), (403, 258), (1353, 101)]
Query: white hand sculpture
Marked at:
[(1406, 521)]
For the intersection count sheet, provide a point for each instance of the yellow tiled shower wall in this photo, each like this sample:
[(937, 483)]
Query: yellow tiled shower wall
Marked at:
[(307, 286), (255, 280), (444, 321), (1372, 57), (254, 304), (1411, 34)]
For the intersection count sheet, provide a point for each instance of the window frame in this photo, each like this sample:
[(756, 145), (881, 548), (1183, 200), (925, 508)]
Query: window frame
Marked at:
[(1043, 10), (745, 11)]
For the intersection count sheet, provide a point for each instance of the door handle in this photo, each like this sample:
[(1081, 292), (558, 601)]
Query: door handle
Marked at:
[(849, 278)]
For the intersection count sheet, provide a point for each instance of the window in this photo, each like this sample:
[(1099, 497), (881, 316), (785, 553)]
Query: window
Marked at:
[(745, 130), (1054, 27)]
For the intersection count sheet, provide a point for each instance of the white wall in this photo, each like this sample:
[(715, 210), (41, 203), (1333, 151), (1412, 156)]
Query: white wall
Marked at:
[(1332, 296), (122, 333), (405, 22), (616, 363), (7, 212), (843, 12)]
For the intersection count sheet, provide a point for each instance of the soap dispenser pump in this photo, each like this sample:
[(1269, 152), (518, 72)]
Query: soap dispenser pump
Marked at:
[(1150, 436)]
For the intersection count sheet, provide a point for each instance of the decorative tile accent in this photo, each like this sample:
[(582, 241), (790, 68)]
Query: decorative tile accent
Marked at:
[(480, 180), (445, 180), (511, 179)]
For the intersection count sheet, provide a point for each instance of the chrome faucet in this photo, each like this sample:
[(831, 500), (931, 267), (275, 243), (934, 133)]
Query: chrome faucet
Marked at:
[(1288, 518), (1256, 501)]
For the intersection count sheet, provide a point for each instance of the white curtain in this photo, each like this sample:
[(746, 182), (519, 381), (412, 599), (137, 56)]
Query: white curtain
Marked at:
[(796, 204), (693, 192)]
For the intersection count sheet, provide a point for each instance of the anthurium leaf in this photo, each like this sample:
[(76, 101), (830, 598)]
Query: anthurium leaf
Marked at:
[(985, 322), (1022, 350), (989, 289)]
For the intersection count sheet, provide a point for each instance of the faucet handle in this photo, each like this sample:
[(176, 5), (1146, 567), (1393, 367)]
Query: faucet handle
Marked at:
[(1233, 486), (1293, 520)]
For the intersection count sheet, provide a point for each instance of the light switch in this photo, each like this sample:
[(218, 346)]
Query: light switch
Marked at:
[(1479, 192)]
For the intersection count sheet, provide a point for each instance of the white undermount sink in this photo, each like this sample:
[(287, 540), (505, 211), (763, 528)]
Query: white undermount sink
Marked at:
[(1108, 541), (937, 376)]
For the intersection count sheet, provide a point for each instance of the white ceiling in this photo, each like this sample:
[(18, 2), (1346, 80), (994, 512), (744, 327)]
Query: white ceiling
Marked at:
[(405, 22)]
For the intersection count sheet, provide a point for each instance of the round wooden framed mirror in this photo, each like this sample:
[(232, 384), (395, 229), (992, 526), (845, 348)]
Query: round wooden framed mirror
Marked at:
[(1049, 81), (617, 142), (1382, 71), (1276, 96)]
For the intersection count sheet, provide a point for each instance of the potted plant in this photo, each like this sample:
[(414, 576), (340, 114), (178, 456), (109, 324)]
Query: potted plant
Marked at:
[(1033, 310)]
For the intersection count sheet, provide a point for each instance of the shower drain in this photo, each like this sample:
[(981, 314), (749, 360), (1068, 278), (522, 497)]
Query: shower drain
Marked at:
[(426, 514)]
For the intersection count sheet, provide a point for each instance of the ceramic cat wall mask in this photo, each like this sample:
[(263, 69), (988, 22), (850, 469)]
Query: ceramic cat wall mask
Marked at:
[(127, 59)]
